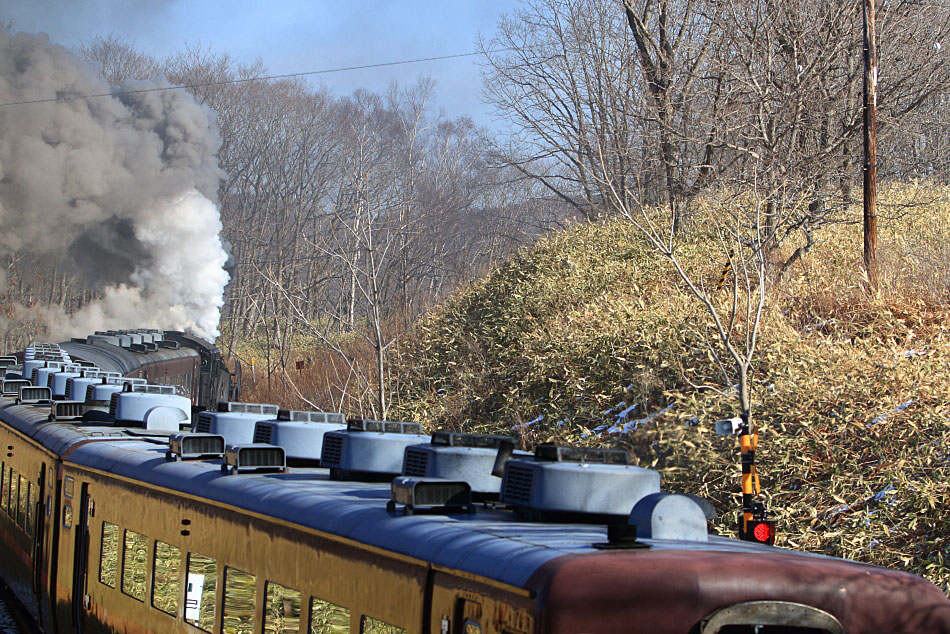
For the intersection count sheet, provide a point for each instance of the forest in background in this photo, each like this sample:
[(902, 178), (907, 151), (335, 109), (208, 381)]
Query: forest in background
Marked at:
[(348, 216)]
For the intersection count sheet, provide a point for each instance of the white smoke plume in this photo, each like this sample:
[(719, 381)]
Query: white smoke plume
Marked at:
[(119, 189)]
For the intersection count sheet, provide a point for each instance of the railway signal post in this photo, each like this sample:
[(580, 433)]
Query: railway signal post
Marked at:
[(754, 524)]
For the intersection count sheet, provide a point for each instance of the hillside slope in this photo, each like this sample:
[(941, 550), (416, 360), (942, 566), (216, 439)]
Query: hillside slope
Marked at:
[(589, 338)]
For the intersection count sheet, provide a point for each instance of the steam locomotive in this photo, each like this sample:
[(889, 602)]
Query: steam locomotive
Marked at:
[(191, 364), (130, 512)]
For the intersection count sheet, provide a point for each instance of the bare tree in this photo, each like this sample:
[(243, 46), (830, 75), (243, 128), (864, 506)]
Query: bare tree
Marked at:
[(118, 60)]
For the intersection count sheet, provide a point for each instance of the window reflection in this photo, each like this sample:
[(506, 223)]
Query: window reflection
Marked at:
[(240, 589), (328, 618), (199, 591), (108, 553), (134, 565), (281, 610), (369, 625), (166, 568)]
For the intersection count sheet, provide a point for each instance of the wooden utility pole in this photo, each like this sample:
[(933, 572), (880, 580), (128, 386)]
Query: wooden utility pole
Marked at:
[(870, 145)]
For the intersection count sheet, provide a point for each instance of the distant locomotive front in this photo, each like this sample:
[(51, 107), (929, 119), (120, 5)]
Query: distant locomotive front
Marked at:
[(192, 364)]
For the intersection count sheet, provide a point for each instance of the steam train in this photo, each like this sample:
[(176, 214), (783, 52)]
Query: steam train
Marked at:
[(134, 510)]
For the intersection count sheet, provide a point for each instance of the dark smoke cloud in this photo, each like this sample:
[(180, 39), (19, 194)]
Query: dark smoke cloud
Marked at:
[(118, 188)]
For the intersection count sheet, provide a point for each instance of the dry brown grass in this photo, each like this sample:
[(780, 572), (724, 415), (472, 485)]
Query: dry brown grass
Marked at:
[(852, 392)]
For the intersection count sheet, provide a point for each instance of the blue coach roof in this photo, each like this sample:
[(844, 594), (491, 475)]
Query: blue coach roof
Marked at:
[(490, 543)]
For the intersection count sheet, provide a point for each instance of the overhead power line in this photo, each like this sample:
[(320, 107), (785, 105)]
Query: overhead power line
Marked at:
[(243, 80)]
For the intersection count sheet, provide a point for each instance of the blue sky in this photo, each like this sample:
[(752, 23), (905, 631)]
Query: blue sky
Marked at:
[(295, 36)]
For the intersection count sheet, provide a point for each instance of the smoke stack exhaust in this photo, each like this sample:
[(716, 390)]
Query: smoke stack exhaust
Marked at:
[(118, 190)]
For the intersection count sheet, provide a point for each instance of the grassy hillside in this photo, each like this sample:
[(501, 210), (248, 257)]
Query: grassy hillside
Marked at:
[(589, 338)]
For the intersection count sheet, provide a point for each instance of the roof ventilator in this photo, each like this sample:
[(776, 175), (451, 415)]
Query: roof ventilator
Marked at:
[(433, 495), (149, 389), (369, 450), (300, 434), (234, 421), (297, 416), (576, 483), (124, 380), (247, 408), (154, 407), (58, 382), (468, 457), (11, 387), (34, 395), (195, 447), (66, 410), (254, 457)]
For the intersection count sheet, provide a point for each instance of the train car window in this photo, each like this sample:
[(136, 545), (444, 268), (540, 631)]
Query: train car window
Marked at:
[(30, 503), (14, 480), (108, 554), (21, 508), (4, 488), (200, 591), (369, 625), (68, 487), (471, 627), (328, 618), (68, 516), (166, 579), (134, 565), (240, 594), (281, 610)]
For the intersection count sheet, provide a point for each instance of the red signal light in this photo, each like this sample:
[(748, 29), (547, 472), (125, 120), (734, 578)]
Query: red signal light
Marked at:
[(759, 531), (764, 532)]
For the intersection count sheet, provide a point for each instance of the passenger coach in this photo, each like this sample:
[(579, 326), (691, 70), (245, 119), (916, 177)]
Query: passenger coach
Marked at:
[(136, 514)]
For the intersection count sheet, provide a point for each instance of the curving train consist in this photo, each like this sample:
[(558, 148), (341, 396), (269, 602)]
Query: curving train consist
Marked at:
[(126, 507)]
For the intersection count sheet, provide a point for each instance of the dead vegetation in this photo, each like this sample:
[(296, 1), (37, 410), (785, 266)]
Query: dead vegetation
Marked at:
[(586, 338)]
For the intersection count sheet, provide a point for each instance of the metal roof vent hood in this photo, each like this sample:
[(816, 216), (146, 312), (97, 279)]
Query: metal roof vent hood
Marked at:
[(670, 516), (235, 421), (195, 447), (564, 482), (466, 457), (300, 434), (11, 387), (254, 457), (369, 450), (430, 495)]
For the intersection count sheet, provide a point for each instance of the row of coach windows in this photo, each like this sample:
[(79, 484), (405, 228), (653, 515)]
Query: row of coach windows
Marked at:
[(123, 564), (17, 497)]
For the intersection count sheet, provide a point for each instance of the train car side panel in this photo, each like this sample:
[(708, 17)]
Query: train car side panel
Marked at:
[(129, 589), (464, 606), (25, 547)]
